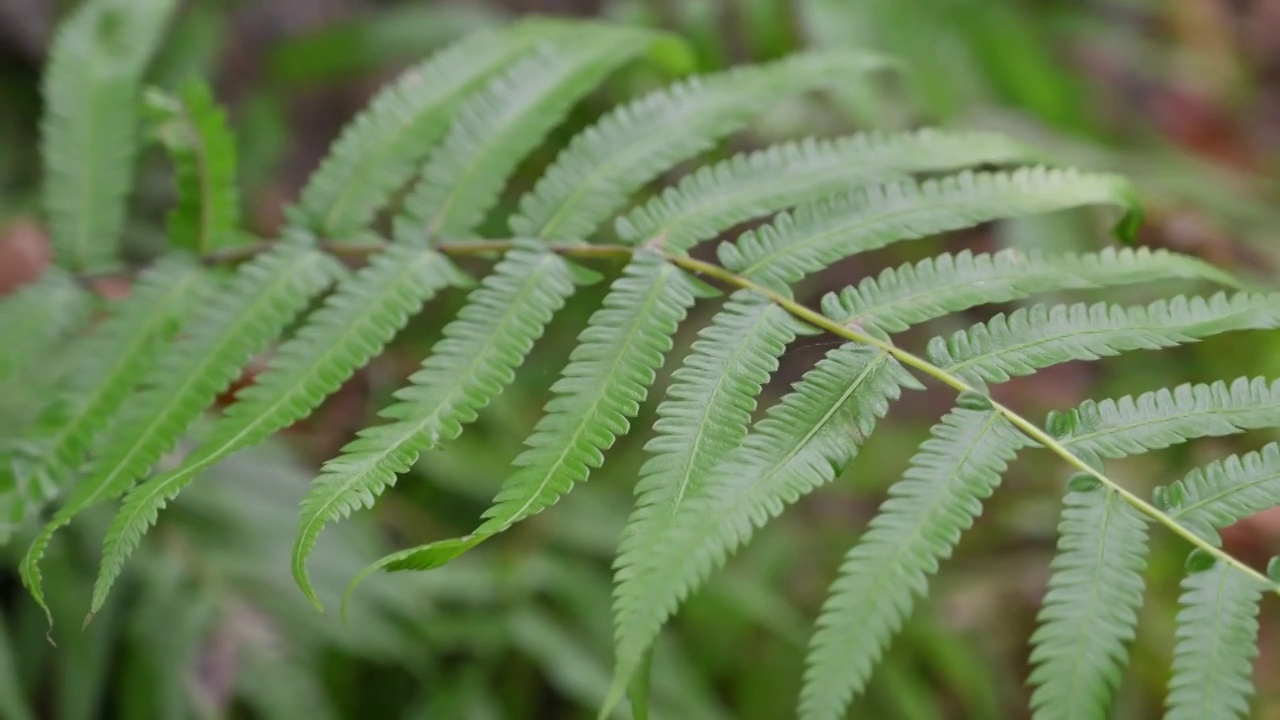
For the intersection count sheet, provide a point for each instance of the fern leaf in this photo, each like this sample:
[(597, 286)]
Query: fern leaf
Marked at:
[(357, 320), (1217, 641), (939, 497), (36, 316), (111, 363), (814, 236), (804, 441), (601, 389), (604, 164), (497, 127), (1224, 492), (383, 146), (607, 378), (1029, 339), (254, 308), (1159, 419), (1091, 610), (89, 131), (193, 129), (755, 184), (472, 363), (705, 415), (805, 241), (934, 287)]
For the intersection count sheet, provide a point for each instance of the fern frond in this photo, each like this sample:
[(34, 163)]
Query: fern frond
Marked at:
[(600, 390), (1091, 609), (796, 244), (939, 497), (755, 184), (1224, 492), (357, 320), (498, 126), (604, 164), (1159, 419), (383, 146), (1217, 641), (815, 236), (475, 359), (193, 129), (705, 415), (89, 132), (37, 315), (803, 442), (109, 366), (1029, 339), (253, 309), (934, 287)]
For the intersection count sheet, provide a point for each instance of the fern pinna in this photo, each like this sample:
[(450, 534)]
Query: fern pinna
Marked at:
[(451, 132)]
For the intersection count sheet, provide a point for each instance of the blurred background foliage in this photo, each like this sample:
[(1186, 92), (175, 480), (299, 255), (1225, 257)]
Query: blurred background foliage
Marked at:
[(1183, 95)]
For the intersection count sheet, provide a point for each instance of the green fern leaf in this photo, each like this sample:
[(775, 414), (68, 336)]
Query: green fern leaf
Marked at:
[(1217, 641), (468, 368), (1091, 609), (705, 415), (357, 320), (804, 441), (816, 235), (601, 389), (934, 287), (938, 498), (1224, 492), (38, 315), (89, 132), (383, 146), (1029, 339), (497, 127), (796, 244), (755, 184), (610, 160), (110, 364), (193, 129), (1159, 419), (262, 298)]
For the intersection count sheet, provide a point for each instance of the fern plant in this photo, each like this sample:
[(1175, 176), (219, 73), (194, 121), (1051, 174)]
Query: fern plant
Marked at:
[(450, 132)]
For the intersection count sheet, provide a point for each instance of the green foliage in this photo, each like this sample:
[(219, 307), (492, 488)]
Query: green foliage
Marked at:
[(37, 316), (89, 135), (498, 126), (472, 363), (717, 197), (1033, 338), (358, 319), (938, 498), (193, 130), (453, 131), (935, 287), (380, 149), (1091, 609), (110, 365), (238, 321), (607, 162), (1224, 492), (1217, 643)]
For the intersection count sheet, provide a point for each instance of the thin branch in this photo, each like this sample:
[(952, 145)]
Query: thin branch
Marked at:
[(1027, 427), (814, 318)]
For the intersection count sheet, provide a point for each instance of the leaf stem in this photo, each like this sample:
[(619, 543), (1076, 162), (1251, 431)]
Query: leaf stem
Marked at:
[(812, 317), (1028, 428)]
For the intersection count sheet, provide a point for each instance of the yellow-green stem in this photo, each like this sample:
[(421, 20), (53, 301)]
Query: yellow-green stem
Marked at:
[(820, 321)]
